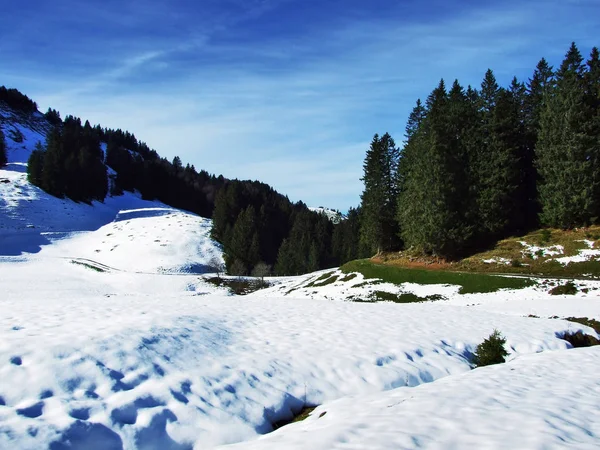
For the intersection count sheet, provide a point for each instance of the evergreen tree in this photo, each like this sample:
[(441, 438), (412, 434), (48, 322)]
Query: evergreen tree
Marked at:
[(431, 210), (378, 230), (35, 165), (592, 124), (345, 238), (496, 164), (243, 246), (53, 176), (3, 158), (567, 181)]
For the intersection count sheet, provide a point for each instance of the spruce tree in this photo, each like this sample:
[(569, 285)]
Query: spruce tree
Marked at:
[(497, 174), (431, 212), (35, 165), (378, 230), (567, 181), (243, 246), (592, 128)]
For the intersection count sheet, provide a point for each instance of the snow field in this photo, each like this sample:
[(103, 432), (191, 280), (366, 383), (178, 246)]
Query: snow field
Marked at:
[(548, 400), (141, 358)]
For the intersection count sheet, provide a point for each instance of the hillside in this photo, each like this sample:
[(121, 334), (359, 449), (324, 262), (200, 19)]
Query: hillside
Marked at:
[(71, 159), (545, 252)]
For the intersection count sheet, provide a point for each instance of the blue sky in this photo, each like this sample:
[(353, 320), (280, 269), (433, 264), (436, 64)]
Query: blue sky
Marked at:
[(288, 92)]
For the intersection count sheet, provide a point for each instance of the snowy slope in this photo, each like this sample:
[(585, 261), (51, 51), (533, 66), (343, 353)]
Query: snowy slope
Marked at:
[(123, 232), (531, 407), (334, 216), (144, 361)]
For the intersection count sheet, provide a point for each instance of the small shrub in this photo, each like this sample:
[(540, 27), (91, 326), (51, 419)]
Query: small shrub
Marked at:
[(579, 339), (568, 288), (545, 236), (516, 263), (491, 350)]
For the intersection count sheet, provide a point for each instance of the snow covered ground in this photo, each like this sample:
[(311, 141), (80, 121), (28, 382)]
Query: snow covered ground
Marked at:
[(111, 339)]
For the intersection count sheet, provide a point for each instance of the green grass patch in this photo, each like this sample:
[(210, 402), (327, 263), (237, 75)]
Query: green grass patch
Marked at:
[(350, 276), (404, 297), (317, 281), (325, 282), (470, 282), (88, 266)]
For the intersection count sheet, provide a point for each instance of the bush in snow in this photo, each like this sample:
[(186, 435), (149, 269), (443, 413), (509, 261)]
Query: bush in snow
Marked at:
[(568, 288), (491, 350), (580, 340)]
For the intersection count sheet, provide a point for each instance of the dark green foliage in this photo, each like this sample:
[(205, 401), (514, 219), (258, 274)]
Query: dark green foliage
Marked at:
[(491, 351), (567, 150), (53, 117), (3, 158), (568, 288), (17, 101), (378, 227), (545, 236), (255, 223), (497, 181), (35, 165), (323, 282), (433, 205), (404, 297), (579, 339), (72, 164), (345, 240), (238, 286)]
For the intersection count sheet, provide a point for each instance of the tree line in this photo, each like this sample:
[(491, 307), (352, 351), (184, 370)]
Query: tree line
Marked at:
[(259, 227), (481, 164)]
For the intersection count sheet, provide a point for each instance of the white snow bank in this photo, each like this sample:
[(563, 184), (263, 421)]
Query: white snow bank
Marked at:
[(547, 400)]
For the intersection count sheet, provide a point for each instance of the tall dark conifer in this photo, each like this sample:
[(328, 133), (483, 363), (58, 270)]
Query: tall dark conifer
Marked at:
[(430, 218), (592, 129), (379, 198), (567, 180)]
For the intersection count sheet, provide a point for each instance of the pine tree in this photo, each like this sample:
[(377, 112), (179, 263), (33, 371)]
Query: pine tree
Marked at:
[(431, 207), (496, 166), (3, 158), (379, 199), (567, 182), (243, 246), (592, 129), (35, 165), (53, 175)]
